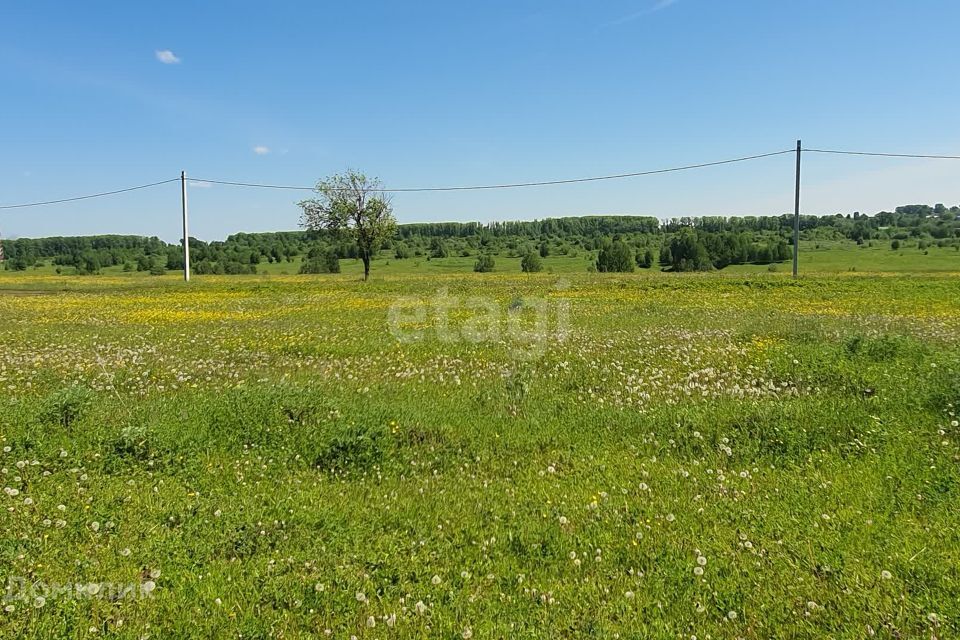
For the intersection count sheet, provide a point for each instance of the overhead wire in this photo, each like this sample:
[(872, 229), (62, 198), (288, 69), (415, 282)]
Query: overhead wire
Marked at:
[(87, 197), (883, 155), (513, 185), (482, 187)]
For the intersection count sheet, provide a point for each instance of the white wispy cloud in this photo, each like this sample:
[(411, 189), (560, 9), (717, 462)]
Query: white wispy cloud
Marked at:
[(261, 150), (659, 6), (166, 56)]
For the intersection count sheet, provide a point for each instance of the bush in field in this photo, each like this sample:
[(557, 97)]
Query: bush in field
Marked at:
[(234, 268), (438, 249), (484, 264), (321, 261), (531, 263), (616, 258)]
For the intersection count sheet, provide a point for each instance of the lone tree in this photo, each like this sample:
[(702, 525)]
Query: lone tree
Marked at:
[(353, 204)]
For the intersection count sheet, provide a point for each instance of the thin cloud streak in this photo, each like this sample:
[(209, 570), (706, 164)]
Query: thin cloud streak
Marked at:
[(659, 6)]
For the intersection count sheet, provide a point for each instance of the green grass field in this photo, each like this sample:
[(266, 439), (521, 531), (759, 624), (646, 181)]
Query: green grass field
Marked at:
[(437, 453)]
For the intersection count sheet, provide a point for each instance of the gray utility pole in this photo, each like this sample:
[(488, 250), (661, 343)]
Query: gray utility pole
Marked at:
[(186, 231), (796, 221)]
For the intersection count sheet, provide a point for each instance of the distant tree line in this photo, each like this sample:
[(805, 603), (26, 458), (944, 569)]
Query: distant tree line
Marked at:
[(606, 243)]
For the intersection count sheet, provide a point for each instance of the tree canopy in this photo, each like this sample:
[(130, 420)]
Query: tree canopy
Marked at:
[(353, 204)]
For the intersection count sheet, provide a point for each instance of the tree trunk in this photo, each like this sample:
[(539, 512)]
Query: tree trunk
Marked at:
[(366, 266)]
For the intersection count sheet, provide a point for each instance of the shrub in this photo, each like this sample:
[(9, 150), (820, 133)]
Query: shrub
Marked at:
[(645, 261), (531, 263), (438, 249), (616, 258), (484, 264), (320, 261)]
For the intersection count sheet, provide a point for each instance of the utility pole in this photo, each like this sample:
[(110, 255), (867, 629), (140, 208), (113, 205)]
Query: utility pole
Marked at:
[(796, 221), (186, 231)]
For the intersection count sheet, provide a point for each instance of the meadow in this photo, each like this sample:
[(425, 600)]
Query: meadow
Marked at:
[(440, 453)]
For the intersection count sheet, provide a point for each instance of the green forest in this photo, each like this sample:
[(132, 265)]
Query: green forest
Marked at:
[(618, 243)]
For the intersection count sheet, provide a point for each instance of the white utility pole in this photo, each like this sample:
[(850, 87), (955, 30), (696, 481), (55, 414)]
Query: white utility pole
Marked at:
[(796, 219), (186, 231)]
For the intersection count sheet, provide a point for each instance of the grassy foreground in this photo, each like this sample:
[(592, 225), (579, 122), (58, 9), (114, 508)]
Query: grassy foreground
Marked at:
[(480, 455)]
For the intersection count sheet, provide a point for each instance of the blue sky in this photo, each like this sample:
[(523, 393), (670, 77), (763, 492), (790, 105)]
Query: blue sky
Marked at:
[(98, 96)]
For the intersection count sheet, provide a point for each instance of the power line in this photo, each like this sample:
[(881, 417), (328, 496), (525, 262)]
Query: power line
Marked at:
[(87, 197), (883, 155), (515, 184)]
